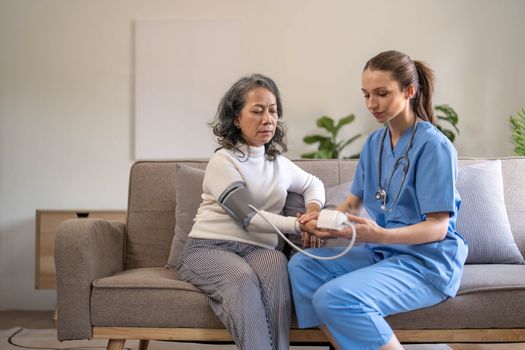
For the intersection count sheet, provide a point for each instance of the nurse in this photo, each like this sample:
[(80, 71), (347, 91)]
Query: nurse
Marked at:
[(412, 256)]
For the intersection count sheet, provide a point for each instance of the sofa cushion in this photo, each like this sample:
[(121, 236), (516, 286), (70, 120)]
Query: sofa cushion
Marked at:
[(482, 218), (151, 219), (188, 189), (149, 297), (153, 297), (482, 278), (488, 297)]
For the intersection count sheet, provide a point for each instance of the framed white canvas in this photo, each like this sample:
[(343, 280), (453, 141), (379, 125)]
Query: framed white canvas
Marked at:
[(182, 69)]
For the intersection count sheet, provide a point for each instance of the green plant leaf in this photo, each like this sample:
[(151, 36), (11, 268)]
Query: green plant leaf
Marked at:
[(353, 156), (341, 146), (308, 155), (445, 113), (450, 113), (517, 125), (326, 122), (315, 138), (329, 146), (324, 154), (345, 120), (450, 120)]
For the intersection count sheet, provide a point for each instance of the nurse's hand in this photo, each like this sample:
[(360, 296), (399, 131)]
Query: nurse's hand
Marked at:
[(311, 241), (366, 230)]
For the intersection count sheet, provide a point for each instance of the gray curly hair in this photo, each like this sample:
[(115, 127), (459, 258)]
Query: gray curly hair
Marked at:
[(228, 135)]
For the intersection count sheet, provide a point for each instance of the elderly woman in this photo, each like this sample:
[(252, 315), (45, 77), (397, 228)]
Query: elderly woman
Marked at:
[(230, 253)]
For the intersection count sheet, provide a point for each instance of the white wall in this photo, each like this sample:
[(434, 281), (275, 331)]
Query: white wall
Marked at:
[(66, 82)]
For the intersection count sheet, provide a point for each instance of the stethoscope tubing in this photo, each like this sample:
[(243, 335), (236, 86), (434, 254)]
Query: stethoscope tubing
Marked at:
[(381, 194)]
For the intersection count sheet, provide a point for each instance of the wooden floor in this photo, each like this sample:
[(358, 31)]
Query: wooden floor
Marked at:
[(44, 320), (27, 319)]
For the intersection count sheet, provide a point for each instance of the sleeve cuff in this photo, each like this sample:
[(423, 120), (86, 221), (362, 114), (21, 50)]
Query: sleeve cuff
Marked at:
[(297, 227), (321, 204)]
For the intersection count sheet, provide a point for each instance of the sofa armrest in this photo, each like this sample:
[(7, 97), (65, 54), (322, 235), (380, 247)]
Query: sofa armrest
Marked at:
[(85, 249)]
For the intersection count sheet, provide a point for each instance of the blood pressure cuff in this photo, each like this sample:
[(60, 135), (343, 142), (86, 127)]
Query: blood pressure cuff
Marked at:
[(235, 201)]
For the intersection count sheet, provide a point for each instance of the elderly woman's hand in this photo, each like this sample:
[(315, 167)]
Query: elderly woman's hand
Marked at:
[(308, 237), (308, 222)]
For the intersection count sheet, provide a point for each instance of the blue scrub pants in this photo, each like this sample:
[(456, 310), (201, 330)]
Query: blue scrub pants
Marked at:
[(351, 296)]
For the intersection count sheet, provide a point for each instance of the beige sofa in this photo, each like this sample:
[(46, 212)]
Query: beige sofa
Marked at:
[(112, 282)]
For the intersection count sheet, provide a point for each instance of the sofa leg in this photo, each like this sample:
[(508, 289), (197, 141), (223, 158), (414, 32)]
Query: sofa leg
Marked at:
[(143, 344), (116, 344)]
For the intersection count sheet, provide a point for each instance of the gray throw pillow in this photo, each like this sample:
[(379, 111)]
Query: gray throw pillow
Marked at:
[(337, 194), (188, 189), (482, 218), (334, 196)]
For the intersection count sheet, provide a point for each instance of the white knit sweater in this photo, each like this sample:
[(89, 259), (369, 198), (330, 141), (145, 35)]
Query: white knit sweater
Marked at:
[(268, 183)]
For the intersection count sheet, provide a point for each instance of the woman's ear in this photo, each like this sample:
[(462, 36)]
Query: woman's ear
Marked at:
[(410, 91), (236, 122)]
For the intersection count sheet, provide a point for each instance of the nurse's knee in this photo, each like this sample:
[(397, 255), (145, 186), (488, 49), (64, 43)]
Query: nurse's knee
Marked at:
[(323, 301), (329, 298)]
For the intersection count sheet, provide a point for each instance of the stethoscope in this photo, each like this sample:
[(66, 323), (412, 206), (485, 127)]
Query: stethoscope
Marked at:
[(403, 161)]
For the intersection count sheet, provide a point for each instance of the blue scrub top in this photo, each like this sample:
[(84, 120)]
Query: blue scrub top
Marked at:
[(430, 186)]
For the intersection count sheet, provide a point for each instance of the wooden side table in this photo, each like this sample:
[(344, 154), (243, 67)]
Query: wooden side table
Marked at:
[(47, 222)]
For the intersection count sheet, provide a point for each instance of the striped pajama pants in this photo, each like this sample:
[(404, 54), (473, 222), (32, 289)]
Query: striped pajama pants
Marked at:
[(247, 288)]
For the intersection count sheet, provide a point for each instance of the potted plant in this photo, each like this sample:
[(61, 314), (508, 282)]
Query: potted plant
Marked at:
[(517, 125), (445, 113), (329, 145)]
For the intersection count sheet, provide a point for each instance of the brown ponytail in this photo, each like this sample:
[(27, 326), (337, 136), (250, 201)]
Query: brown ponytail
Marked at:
[(407, 72), (422, 100)]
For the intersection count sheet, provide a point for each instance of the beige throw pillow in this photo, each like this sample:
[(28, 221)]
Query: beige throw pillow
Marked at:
[(188, 189)]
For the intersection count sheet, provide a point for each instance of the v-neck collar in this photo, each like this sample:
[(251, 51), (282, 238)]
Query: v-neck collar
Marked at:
[(401, 145)]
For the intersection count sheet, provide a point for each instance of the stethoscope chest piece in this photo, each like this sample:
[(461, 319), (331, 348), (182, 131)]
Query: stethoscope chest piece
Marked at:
[(380, 194)]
